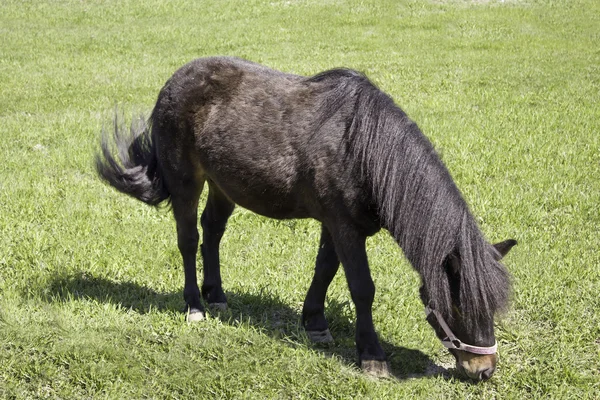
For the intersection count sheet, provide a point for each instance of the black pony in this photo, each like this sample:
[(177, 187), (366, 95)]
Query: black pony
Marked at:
[(331, 147)]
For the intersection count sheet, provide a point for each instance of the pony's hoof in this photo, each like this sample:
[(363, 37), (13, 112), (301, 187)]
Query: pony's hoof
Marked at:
[(195, 315), (376, 369), (219, 307), (320, 336)]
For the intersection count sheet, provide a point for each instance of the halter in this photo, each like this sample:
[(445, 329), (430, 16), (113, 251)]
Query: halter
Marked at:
[(452, 342)]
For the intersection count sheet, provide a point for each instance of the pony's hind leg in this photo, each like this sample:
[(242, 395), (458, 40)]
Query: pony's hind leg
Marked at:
[(185, 211), (313, 312), (214, 218)]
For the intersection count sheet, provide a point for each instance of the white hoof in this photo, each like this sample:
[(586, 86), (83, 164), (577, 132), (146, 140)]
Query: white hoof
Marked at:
[(195, 316), (376, 369), (320, 336)]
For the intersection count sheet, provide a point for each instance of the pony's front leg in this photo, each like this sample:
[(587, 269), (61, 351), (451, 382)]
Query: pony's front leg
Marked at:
[(350, 248), (313, 312), (214, 218)]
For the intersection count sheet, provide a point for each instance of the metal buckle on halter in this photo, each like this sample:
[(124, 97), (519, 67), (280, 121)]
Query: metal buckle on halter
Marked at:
[(452, 342)]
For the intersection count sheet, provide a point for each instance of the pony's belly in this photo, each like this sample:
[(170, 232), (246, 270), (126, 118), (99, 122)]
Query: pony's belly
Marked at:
[(277, 212), (265, 179), (267, 200)]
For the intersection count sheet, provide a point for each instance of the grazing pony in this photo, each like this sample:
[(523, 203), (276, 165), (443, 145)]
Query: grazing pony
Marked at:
[(332, 147)]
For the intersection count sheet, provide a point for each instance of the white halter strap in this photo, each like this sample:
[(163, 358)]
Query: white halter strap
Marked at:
[(452, 342)]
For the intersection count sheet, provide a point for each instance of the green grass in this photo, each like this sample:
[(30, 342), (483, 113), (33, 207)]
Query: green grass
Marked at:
[(91, 280)]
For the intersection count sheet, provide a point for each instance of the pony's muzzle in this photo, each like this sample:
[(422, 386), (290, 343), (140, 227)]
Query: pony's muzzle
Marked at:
[(475, 366)]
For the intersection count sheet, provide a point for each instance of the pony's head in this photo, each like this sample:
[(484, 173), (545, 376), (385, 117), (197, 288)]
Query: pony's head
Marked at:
[(468, 334)]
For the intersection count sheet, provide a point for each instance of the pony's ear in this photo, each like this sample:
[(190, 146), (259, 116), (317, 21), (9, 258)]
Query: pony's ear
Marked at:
[(503, 248)]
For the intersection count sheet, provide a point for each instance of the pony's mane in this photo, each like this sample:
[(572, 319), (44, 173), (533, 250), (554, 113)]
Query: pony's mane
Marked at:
[(417, 199)]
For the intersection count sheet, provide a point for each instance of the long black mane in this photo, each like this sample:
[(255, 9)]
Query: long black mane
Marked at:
[(417, 199)]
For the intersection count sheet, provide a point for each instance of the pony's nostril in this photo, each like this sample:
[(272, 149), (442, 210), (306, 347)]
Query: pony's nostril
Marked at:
[(487, 374)]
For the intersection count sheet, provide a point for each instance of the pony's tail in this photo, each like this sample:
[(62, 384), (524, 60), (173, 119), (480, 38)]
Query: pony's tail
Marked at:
[(134, 170)]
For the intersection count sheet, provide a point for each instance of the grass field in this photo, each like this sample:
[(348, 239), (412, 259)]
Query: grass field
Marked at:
[(91, 280)]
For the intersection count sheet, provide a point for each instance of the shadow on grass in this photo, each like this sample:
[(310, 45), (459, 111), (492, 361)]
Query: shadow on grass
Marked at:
[(128, 295), (263, 311)]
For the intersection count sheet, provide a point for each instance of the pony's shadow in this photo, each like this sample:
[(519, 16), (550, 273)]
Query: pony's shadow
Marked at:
[(264, 311)]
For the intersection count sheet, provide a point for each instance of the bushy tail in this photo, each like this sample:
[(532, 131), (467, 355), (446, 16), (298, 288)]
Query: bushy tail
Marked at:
[(134, 170)]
